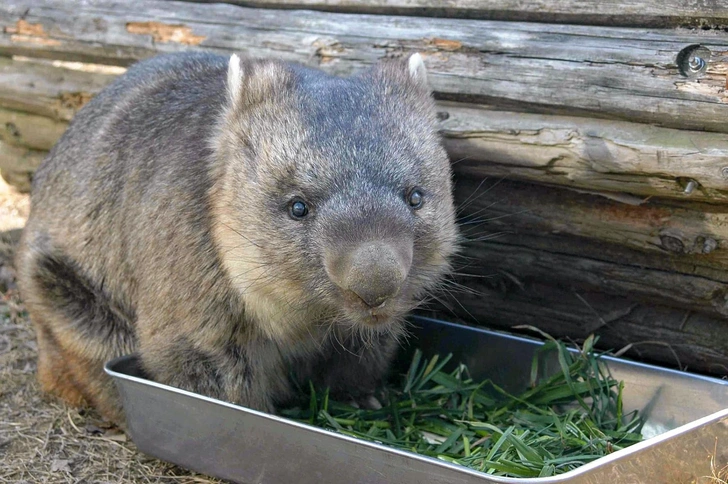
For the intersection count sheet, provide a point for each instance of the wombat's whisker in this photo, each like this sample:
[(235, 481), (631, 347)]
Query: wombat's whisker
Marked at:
[(404, 328), (461, 159), (465, 257), (467, 202), (243, 236), (366, 337), (342, 345), (425, 305), (462, 260), (486, 237), (473, 318), (464, 203), (319, 342), (474, 223), (461, 288), (474, 232), (477, 276), (236, 249), (460, 220), (442, 303), (506, 215), (468, 235), (251, 265), (261, 278)]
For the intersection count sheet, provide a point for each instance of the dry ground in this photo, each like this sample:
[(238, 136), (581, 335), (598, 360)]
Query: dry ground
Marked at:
[(42, 440)]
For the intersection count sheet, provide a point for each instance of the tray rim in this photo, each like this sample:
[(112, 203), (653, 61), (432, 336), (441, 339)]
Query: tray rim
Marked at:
[(535, 340), (605, 460)]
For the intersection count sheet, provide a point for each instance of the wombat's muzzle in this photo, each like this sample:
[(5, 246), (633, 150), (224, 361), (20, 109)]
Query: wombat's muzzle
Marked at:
[(374, 271)]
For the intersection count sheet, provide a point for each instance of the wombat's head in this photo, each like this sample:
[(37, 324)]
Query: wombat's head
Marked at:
[(333, 201)]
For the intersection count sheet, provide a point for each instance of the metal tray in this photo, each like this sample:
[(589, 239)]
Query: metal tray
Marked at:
[(687, 421)]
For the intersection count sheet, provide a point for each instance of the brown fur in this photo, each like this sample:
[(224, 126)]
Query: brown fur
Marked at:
[(55, 372)]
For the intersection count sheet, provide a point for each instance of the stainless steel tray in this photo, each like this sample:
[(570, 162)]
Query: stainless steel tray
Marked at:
[(687, 421)]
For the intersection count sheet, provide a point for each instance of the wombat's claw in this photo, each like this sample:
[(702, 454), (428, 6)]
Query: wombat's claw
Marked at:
[(368, 402), (371, 402)]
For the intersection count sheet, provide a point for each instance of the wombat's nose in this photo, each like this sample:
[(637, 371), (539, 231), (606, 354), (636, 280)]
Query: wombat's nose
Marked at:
[(374, 271)]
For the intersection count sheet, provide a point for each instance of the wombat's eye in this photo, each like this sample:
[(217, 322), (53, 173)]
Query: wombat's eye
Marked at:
[(297, 209), (415, 198)]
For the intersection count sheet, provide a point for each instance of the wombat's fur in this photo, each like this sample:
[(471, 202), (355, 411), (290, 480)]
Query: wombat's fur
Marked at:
[(164, 222)]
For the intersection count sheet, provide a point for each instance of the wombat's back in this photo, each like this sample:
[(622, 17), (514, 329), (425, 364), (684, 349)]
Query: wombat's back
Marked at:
[(120, 144), (133, 164), (118, 203)]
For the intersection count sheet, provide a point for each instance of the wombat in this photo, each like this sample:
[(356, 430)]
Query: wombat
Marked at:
[(241, 225)]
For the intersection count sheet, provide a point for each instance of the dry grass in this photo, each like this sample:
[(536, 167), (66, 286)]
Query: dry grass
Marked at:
[(719, 475), (43, 440)]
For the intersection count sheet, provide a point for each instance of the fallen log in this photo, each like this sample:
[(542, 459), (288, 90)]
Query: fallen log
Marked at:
[(17, 165), (695, 235), (616, 73), (642, 13), (680, 339), (46, 90)]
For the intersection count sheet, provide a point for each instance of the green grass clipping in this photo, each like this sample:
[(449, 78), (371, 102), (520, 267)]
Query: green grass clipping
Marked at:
[(561, 422)]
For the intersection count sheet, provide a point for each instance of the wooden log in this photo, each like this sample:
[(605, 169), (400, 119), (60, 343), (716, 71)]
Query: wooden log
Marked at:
[(17, 165), (613, 73), (562, 277), (47, 90), (584, 153), (29, 130), (679, 339), (588, 154), (629, 13), (692, 238), (566, 262)]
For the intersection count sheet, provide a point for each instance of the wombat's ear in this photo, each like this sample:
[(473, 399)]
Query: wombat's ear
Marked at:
[(409, 70), (234, 80), (254, 82), (417, 70)]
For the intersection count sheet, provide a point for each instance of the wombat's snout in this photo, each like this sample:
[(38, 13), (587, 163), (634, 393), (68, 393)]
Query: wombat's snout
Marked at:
[(373, 271)]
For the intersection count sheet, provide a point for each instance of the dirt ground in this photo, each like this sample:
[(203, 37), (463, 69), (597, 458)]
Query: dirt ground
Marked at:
[(42, 440)]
